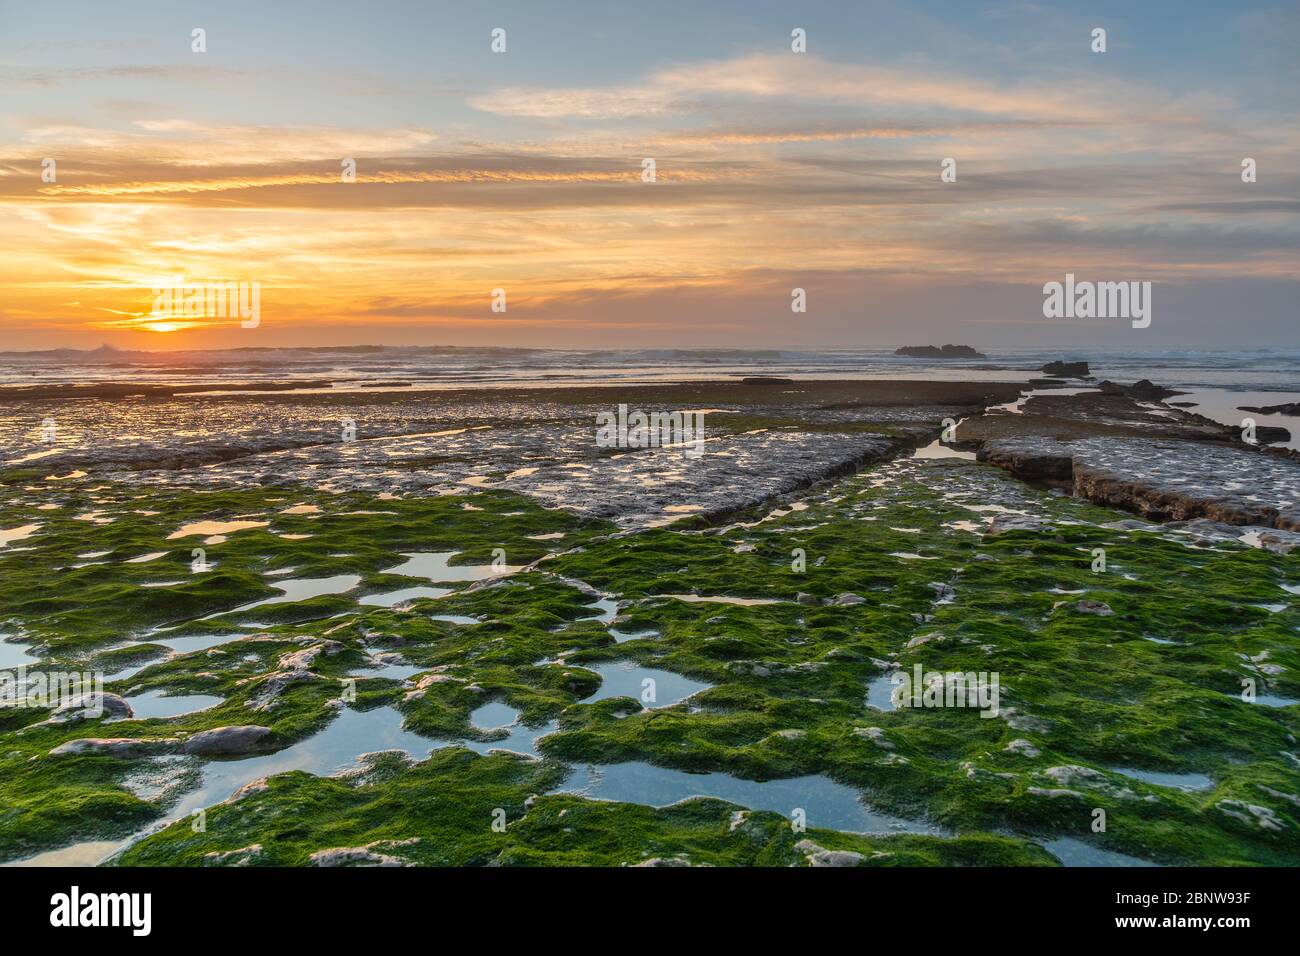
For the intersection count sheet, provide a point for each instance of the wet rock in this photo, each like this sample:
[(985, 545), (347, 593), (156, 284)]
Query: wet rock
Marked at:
[(117, 746), (1073, 774), (874, 734), (226, 741), (1053, 793), (1251, 814), (355, 856), (807, 599), (253, 786), (664, 861), (1288, 408), (1143, 390), (274, 684), (817, 855), (90, 706), (1165, 479), (1028, 458), (244, 856), (1066, 369), (1022, 747), (939, 352), (848, 597), (1019, 721), (943, 593), (1005, 523), (1270, 435), (1279, 542), (1087, 606), (303, 659), (428, 680)]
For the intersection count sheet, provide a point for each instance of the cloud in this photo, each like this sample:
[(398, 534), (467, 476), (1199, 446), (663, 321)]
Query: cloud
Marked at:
[(92, 74), (766, 77), (187, 143)]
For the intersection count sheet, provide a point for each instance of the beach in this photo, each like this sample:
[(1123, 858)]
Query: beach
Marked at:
[(458, 604)]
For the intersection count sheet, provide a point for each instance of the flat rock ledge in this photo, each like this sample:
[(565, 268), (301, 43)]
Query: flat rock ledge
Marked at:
[(816, 855), (1162, 479), (217, 742)]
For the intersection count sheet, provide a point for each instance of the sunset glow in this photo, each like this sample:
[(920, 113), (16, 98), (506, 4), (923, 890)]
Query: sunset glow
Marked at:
[(774, 170)]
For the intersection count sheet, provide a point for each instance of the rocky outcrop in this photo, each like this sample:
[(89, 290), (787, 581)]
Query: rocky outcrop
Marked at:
[(90, 706), (1162, 502), (353, 856), (218, 742), (1163, 479), (1086, 606), (1143, 390), (1066, 369), (1004, 523), (226, 741), (117, 746), (1041, 459), (294, 669), (820, 856), (244, 856), (1290, 408), (940, 352), (367, 855)]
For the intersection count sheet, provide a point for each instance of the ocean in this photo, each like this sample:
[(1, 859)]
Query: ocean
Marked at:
[(1217, 383)]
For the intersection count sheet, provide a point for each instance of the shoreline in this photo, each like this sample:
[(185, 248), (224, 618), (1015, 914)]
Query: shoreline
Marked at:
[(930, 559)]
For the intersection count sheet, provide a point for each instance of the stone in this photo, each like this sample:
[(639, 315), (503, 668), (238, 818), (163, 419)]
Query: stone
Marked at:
[(87, 706), (244, 856), (820, 856), (1022, 747), (116, 746), (1289, 408), (1066, 369), (875, 734), (1087, 606), (353, 856), (943, 593), (664, 861), (1004, 523), (939, 352), (226, 741), (1263, 817)]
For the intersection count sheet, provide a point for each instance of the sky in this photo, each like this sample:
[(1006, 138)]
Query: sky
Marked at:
[(524, 171)]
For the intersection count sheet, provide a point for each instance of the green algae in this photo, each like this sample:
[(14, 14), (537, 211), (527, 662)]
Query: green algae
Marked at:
[(1081, 693), (442, 812)]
